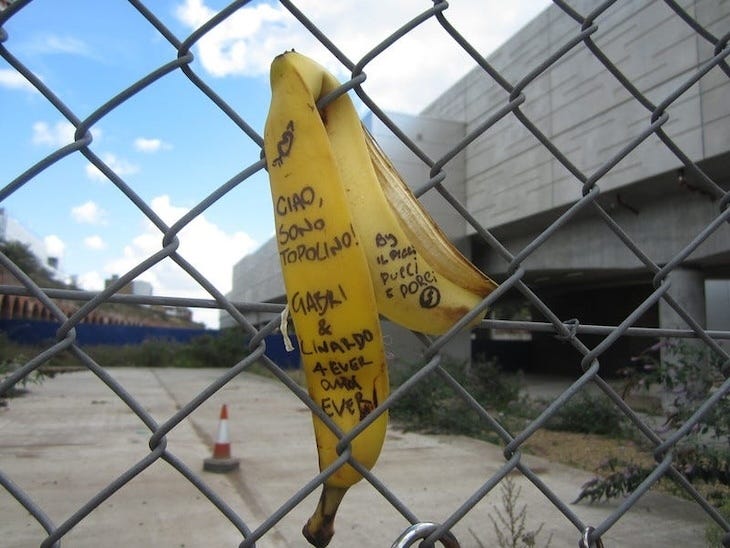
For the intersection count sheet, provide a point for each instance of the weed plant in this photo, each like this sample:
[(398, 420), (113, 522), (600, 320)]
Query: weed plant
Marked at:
[(510, 525), (589, 414), (691, 374), (433, 406)]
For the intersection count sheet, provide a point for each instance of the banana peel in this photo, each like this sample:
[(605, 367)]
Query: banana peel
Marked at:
[(354, 243)]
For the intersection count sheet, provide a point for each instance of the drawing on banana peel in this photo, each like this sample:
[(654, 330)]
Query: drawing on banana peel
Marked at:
[(354, 243)]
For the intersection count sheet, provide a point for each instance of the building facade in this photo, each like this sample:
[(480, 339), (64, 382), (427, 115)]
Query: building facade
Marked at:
[(514, 186)]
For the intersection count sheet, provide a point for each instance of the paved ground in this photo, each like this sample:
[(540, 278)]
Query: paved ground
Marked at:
[(71, 436)]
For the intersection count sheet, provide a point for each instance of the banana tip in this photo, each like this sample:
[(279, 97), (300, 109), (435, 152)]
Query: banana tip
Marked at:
[(320, 528), (321, 536)]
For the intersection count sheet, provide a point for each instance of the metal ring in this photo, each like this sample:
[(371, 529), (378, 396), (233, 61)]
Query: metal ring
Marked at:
[(419, 531), (585, 542)]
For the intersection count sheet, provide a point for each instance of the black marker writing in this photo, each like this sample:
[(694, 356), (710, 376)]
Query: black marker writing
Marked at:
[(283, 147)]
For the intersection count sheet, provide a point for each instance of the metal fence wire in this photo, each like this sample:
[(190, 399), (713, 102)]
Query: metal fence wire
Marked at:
[(516, 92)]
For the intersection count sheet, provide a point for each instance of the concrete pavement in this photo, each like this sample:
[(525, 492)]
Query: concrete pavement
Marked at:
[(71, 436)]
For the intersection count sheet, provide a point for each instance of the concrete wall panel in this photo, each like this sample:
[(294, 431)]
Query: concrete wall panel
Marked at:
[(514, 186), (584, 109)]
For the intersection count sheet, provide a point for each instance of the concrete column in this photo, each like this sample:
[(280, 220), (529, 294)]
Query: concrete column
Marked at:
[(688, 289), (406, 348)]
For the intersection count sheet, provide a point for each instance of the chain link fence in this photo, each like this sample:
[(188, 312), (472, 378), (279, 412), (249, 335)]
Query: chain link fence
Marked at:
[(514, 96)]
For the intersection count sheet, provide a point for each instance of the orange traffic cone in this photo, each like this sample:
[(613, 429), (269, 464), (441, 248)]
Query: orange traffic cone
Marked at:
[(221, 461)]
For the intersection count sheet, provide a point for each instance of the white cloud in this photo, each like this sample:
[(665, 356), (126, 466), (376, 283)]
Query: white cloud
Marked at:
[(210, 249), (231, 47), (55, 246), (54, 44), (88, 213), (150, 145), (94, 242), (120, 166), (91, 281), (66, 44), (60, 134), (405, 78), (12, 79), (57, 135)]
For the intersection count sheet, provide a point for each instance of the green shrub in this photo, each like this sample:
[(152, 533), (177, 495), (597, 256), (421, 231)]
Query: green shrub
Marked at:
[(692, 373), (588, 414), (11, 352), (222, 350), (433, 406), (8, 367), (713, 532)]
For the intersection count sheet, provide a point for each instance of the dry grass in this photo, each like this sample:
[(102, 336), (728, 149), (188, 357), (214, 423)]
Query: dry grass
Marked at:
[(584, 451)]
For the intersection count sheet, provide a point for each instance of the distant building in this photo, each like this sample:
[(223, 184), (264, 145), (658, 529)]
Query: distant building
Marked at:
[(140, 287), (135, 287), (179, 312)]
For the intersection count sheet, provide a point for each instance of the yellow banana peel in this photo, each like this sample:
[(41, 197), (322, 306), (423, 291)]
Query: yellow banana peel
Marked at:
[(353, 243)]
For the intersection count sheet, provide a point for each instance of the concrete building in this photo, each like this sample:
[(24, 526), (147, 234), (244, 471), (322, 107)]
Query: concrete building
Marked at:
[(135, 287), (515, 187)]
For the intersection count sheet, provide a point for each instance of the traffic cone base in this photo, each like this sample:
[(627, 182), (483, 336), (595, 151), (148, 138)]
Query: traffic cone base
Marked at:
[(221, 461), (213, 464)]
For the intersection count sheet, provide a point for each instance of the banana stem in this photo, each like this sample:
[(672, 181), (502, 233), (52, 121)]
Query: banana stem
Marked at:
[(320, 528)]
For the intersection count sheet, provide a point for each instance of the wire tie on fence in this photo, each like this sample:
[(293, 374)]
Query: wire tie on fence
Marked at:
[(586, 542), (572, 326), (423, 530), (284, 328), (724, 201)]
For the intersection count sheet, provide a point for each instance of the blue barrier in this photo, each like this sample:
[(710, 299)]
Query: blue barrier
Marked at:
[(41, 332), (276, 351), (38, 332)]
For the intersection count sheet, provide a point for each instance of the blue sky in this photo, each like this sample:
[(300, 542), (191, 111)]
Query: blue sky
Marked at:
[(170, 143)]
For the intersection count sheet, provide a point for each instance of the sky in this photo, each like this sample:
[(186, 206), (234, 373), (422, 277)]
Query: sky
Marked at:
[(169, 143)]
